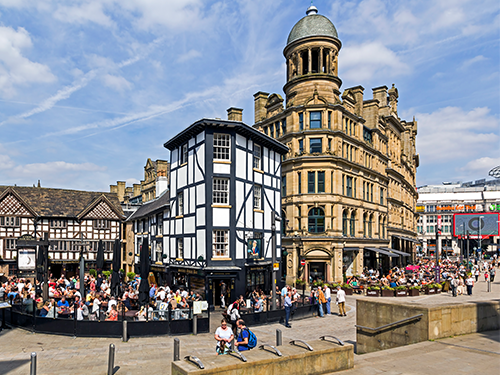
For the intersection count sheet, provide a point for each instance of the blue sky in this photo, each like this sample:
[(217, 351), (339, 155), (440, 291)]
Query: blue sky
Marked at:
[(90, 89)]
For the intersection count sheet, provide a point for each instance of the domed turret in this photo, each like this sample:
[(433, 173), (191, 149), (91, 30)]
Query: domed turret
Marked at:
[(311, 53)]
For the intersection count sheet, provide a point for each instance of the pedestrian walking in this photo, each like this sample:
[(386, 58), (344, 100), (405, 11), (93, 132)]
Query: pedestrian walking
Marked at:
[(328, 297), (321, 302), (223, 291), (454, 285), (476, 273), (492, 274), (341, 301)]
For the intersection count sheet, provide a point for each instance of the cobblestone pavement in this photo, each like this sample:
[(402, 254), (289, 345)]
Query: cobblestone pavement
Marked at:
[(64, 355)]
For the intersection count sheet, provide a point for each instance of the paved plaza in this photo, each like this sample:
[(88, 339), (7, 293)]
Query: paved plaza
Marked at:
[(63, 355)]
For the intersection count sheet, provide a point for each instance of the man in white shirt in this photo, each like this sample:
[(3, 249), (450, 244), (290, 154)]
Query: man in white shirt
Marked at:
[(341, 301), (328, 297)]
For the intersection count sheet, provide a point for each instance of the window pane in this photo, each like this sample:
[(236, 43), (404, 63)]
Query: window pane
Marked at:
[(222, 145), (256, 156), (301, 121), (315, 145), (315, 120), (220, 244), (321, 182), (301, 146), (256, 197), (220, 191), (311, 182)]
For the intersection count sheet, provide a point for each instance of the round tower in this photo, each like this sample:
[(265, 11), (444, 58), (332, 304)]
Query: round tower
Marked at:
[(312, 60)]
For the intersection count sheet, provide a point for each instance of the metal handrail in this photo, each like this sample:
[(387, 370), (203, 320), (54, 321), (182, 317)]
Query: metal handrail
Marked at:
[(238, 353), (195, 360), (333, 337), (309, 347), (276, 351), (381, 328)]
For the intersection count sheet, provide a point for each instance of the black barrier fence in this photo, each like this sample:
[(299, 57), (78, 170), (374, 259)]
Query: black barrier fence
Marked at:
[(273, 316), (18, 316)]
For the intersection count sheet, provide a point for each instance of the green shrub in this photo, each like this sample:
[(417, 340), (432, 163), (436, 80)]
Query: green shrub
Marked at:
[(121, 270), (417, 287), (130, 275), (93, 272), (401, 287), (374, 287), (347, 286), (106, 274), (387, 288)]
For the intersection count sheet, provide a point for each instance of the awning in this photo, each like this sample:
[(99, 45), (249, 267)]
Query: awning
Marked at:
[(351, 248), (406, 238), (402, 253), (384, 252)]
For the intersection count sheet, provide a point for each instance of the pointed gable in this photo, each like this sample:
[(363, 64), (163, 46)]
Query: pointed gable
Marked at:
[(12, 204), (100, 209)]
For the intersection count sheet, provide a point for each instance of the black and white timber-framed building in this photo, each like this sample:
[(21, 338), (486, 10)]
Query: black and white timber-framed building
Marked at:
[(225, 186)]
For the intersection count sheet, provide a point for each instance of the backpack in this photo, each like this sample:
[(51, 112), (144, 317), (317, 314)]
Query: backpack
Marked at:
[(252, 339)]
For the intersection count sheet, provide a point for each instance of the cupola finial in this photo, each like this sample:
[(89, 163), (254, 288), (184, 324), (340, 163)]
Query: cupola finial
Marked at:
[(312, 9)]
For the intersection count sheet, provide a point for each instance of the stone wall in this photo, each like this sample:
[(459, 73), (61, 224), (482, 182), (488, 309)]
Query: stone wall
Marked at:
[(436, 322)]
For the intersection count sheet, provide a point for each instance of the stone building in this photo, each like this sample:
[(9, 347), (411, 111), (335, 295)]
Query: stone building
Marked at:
[(349, 179), (155, 173)]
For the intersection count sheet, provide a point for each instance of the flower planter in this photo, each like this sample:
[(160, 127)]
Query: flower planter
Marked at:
[(401, 293), (387, 293), (373, 293), (414, 292), (348, 291), (430, 290)]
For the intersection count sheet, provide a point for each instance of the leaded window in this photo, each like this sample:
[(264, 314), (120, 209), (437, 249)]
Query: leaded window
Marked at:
[(257, 193), (220, 193), (222, 146), (220, 244), (9, 221), (180, 203), (257, 155), (316, 220), (180, 248), (184, 154)]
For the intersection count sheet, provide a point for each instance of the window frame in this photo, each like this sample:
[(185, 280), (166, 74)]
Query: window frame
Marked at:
[(257, 156), (318, 123), (313, 217), (179, 248), (222, 146), (301, 121), (311, 183), (221, 247), (180, 203), (320, 184), (220, 196), (311, 146), (15, 221), (184, 154), (257, 197)]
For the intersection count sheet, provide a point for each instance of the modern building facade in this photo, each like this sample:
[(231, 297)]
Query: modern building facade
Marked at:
[(225, 189), (71, 218), (479, 198), (349, 177)]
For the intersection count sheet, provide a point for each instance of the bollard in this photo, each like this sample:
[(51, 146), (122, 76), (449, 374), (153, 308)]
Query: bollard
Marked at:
[(111, 359), (177, 349), (125, 332), (33, 364), (489, 285), (279, 338), (195, 324)]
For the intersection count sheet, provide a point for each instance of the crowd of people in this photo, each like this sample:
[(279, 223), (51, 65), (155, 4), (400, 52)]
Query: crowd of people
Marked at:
[(99, 303)]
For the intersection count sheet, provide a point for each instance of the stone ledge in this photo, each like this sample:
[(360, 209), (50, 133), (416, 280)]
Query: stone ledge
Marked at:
[(326, 357)]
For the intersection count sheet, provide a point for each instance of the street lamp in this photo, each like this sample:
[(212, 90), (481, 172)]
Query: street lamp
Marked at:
[(480, 224)]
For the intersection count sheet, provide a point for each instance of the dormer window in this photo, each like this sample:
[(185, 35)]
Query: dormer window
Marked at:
[(9, 221)]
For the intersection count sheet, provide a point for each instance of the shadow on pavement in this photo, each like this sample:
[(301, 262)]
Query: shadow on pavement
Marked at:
[(7, 366)]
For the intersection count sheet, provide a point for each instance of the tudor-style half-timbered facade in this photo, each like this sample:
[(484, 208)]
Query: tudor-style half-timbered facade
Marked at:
[(225, 186), (68, 216)]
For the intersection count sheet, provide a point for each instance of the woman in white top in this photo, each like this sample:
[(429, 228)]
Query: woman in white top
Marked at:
[(224, 336)]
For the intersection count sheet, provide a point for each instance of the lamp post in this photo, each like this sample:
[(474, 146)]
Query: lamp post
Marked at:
[(468, 250), (274, 217), (463, 247), (479, 224)]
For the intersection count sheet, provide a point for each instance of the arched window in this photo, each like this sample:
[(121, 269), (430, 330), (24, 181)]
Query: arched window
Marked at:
[(316, 220), (345, 224), (352, 224)]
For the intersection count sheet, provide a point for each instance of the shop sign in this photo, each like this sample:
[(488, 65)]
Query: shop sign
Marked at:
[(420, 208), (466, 207), (26, 260), (253, 248), (494, 207), (276, 266)]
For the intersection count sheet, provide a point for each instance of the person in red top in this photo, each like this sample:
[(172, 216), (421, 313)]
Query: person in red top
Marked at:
[(113, 314)]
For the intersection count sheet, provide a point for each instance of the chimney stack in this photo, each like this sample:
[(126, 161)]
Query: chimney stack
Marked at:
[(260, 99), (235, 114)]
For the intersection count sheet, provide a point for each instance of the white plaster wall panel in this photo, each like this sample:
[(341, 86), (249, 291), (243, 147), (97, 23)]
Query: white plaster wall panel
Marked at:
[(165, 247), (64, 255), (259, 220), (265, 159), (222, 168), (249, 206), (24, 227), (192, 200), (258, 177), (240, 195), (178, 226), (200, 155), (267, 180), (187, 248), (267, 245), (198, 175), (189, 225), (190, 166), (241, 141), (200, 137), (200, 243), (240, 163), (240, 247), (172, 226), (173, 184), (172, 248), (57, 256), (200, 194), (182, 176), (221, 217), (200, 216)]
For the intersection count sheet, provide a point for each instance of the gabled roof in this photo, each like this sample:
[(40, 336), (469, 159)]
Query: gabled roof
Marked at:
[(150, 207), (48, 202), (237, 126)]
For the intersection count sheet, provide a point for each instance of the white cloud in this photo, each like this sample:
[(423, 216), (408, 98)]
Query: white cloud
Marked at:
[(451, 134), (117, 83), (132, 181), (189, 55), (55, 167), (362, 62), (6, 162), (88, 11), (472, 61), (15, 69), (481, 165)]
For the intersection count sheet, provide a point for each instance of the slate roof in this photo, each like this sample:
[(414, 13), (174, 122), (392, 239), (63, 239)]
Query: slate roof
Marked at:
[(152, 206), (48, 202)]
